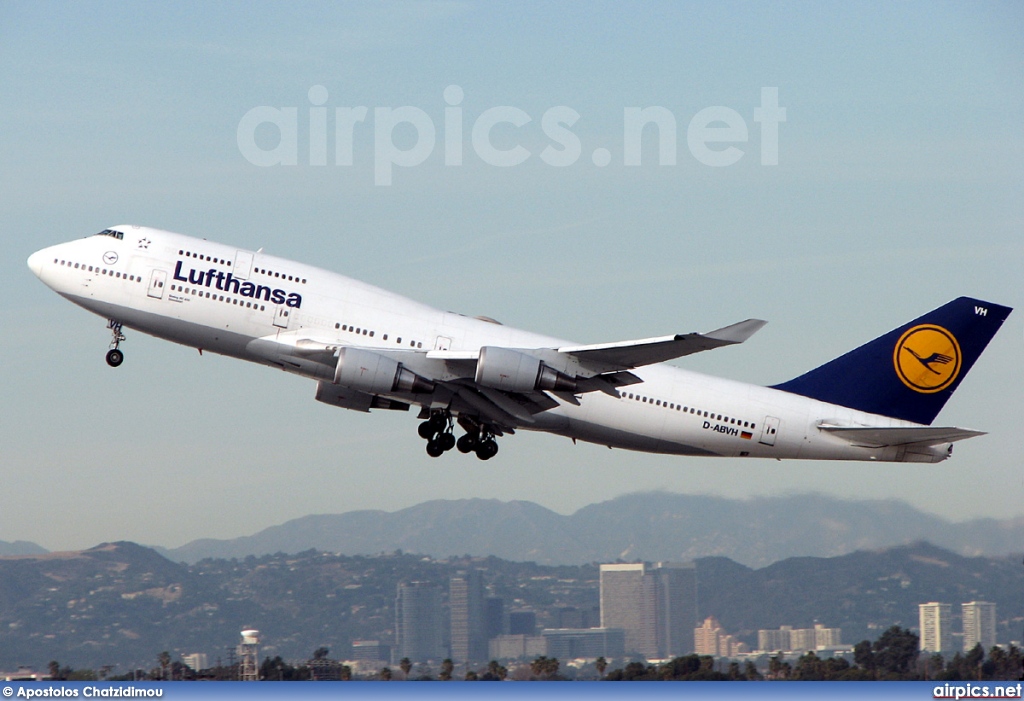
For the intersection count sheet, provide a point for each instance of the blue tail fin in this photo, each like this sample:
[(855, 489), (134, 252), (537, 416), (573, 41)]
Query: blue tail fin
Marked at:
[(910, 372)]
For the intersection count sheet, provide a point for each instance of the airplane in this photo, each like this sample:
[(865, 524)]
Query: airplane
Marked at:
[(368, 348)]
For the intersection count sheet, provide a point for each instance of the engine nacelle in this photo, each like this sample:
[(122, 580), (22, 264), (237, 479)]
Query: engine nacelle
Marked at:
[(512, 371), (346, 398), (373, 373)]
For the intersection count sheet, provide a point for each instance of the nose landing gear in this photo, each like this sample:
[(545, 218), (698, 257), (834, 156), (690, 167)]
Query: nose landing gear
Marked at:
[(114, 356)]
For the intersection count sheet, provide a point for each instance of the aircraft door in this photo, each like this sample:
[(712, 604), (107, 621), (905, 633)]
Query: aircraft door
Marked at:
[(281, 316), (769, 430), (243, 265), (157, 282), (443, 343)]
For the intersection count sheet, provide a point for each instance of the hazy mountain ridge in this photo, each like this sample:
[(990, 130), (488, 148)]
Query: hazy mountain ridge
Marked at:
[(20, 547), (648, 526)]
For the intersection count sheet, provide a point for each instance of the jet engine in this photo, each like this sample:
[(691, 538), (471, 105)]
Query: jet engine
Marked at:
[(512, 371), (346, 398), (373, 373)]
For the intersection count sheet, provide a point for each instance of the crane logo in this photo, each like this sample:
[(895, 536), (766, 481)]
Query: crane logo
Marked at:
[(927, 358)]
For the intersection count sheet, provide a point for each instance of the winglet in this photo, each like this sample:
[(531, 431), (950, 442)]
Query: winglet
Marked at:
[(737, 333)]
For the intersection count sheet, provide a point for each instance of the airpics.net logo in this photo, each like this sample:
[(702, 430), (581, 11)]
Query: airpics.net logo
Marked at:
[(715, 136)]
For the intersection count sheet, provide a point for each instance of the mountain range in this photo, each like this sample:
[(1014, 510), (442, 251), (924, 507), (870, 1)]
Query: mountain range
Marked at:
[(652, 526)]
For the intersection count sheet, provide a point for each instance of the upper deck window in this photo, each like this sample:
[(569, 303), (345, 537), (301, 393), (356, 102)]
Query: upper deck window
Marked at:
[(110, 232)]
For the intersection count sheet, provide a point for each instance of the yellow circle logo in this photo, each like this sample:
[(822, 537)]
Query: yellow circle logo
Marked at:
[(927, 358)]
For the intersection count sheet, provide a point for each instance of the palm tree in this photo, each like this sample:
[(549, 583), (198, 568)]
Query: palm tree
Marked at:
[(385, 674), (544, 666), (602, 664), (165, 661), (406, 666)]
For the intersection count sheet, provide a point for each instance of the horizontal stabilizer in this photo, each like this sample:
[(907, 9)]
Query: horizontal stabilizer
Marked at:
[(634, 354), (880, 437)]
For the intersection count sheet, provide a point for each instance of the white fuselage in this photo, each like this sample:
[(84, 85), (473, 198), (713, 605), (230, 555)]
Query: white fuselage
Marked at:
[(192, 291)]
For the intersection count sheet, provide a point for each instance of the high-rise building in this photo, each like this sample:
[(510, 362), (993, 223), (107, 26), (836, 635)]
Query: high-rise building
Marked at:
[(656, 607), (769, 640), (495, 623), (466, 602), (803, 639), (418, 622), (676, 590), (197, 661), (827, 637), (574, 617), (789, 639), (979, 625), (625, 605), (711, 639), (706, 637), (522, 623), (936, 628)]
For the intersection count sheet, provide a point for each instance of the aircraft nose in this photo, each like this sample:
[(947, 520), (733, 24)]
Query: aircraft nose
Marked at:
[(35, 262)]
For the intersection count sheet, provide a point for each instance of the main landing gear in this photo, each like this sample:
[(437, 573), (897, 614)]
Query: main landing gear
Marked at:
[(438, 431), (114, 356)]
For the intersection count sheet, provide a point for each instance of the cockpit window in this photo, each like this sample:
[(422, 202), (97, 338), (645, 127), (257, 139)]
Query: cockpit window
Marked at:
[(110, 232)]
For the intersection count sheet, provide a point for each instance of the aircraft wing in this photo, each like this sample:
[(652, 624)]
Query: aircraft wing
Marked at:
[(880, 437), (647, 351), (459, 384)]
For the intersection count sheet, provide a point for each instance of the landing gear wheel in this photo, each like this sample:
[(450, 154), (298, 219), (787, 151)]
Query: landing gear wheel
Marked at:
[(427, 429), (446, 441), (434, 449), (467, 443), (114, 357), (487, 449), (439, 420)]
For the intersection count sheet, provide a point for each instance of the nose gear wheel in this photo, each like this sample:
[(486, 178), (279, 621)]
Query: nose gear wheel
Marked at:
[(115, 356)]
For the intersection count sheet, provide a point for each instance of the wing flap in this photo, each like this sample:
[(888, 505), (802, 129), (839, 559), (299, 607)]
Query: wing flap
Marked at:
[(882, 436)]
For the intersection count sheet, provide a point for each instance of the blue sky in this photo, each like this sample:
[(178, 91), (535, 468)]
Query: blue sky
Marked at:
[(900, 185)]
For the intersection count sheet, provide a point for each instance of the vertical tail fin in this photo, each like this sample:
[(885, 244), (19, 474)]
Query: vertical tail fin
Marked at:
[(910, 372)]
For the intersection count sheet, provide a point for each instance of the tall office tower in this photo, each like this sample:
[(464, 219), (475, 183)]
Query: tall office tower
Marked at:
[(676, 607), (656, 607), (936, 628), (466, 601), (623, 606), (418, 622), (494, 617), (979, 625)]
